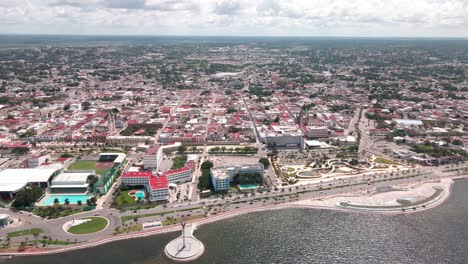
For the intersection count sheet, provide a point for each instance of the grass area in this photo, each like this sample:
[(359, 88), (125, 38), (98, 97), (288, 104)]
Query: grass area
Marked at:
[(124, 198), (53, 242), (25, 232), (87, 165), (139, 207), (179, 162), (174, 221), (83, 165), (128, 229), (51, 212), (126, 218), (290, 169), (96, 224), (386, 161)]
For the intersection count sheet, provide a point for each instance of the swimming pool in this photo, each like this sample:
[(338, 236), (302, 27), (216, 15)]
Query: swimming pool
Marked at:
[(140, 194), (248, 186), (49, 200)]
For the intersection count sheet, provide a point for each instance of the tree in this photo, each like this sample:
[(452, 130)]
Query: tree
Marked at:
[(248, 178), (207, 165), (92, 179), (66, 107), (67, 202), (56, 201), (182, 149), (265, 162), (85, 105), (277, 119), (79, 202), (3, 87), (27, 197), (92, 201)]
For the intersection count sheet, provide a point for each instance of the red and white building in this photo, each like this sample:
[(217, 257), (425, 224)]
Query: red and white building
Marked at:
[(157, 187), (180, 175)]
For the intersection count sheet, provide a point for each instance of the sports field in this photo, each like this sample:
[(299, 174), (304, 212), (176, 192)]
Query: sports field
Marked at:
[(101, 168)]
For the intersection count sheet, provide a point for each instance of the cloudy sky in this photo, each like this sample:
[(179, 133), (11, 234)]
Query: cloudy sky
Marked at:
[(367, 18)]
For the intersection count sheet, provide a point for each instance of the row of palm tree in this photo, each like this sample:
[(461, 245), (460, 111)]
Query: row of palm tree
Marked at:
[(90, 202)]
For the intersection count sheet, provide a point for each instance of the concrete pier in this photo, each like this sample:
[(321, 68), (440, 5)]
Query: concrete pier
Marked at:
[(185, 248)]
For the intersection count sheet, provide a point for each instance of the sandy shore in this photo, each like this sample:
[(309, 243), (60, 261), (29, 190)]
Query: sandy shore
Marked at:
[(417, 190)]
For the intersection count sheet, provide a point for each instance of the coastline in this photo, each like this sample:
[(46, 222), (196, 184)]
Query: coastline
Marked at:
[(304, 204)]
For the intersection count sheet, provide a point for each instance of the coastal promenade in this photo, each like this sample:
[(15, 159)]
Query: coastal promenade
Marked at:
[(307, 198)]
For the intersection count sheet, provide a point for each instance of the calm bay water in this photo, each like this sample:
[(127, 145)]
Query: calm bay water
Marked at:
[(439, 235)]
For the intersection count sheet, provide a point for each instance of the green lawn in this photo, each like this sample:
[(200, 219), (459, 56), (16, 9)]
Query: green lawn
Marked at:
[(131, 217), (25, 232), (123, 198), (83, 165), (386, 161), (96, 224), (87, 165), (179, 162)]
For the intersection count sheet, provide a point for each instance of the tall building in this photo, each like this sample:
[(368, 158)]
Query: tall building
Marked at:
[(221, 177), (152, 158)]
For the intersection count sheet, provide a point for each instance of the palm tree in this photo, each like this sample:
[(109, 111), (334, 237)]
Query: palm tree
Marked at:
[(56, 201), (79, 202), (67, 202)]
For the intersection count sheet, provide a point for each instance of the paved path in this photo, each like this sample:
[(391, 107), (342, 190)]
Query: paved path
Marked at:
[(236, 204)]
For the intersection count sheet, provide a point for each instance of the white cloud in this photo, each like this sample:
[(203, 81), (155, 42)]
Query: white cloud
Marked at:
[(238, 17)]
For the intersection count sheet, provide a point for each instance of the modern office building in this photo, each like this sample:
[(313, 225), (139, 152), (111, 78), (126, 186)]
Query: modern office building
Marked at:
[(220, 179), (222, 176)]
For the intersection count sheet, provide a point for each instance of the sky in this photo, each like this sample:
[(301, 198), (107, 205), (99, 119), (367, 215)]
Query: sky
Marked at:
[(340, 18)]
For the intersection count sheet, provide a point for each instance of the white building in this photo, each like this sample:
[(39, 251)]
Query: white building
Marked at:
[(71, 180), (180, 175), (317, 132), (129, 140), (221, 177), (153, 157), (15, 180), (38, 128), (37, 160)]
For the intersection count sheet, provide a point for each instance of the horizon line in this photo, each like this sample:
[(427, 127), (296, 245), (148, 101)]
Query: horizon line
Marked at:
[(228, 36)]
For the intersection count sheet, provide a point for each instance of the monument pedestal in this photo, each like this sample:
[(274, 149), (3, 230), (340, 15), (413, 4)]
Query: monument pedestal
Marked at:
[(186, 247)]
